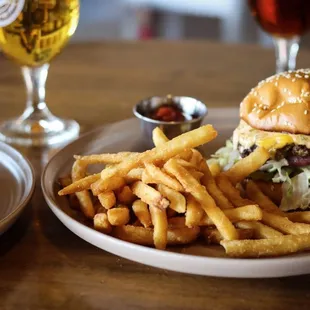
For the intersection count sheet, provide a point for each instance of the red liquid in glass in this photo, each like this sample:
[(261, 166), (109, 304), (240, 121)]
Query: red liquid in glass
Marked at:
[(283, 18)]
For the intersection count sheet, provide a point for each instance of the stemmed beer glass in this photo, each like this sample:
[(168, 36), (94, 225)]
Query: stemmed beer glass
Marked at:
[(286, 21), (32, 33)]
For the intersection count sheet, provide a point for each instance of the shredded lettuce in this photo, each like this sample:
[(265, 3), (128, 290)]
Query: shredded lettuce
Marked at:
[(279, 170), (295, 183), (296, 193), (226, 156)]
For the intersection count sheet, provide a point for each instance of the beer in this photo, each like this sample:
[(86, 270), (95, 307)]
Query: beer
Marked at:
[(282, 18), (40, 31)]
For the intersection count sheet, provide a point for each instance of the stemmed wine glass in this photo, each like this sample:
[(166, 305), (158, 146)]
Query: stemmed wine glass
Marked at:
[(32, 33), (286, 21)]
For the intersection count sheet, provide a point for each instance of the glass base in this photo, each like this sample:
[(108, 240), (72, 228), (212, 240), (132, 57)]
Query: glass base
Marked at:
[(44, 132)]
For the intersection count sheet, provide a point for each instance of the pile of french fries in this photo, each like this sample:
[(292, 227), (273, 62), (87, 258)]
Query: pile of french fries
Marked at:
[(170, 196)]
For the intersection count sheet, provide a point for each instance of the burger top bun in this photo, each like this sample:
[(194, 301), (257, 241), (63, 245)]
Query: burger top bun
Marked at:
[(280, 103)]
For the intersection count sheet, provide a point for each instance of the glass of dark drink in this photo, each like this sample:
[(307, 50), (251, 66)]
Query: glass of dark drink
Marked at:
[(286, 21)]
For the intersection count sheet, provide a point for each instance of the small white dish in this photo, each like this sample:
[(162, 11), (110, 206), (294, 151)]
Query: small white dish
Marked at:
[(16, 185), (195, 259)]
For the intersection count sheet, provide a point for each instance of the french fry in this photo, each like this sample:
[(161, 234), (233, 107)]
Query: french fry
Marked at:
[(245, 213), (105, 158), (134, 175), (118, 216), (230, 191), (144, 236), (73, 200), (199, 192), (112, 184), (196, 159), (255, 194), (125, 195), (186, 164), (284, 225), (260, 230), (107, 199), (281, 245), (213, 236), (101, 223), (211, 186), (196, 174), (244, 167), (184, 235), (149, 195), (271, 190), (158, 137), (194, 212), (160, 223), (177, 200), (176, 222), (86, 205), (154, 175), (142, 212), (299, 216), (170, 149), (215, 168), (80, 185)]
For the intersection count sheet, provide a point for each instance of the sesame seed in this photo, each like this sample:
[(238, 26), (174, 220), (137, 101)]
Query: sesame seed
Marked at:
[(291, 100), (273, 110), (306, 76), (284, 90), (306, 112), (293, 80)]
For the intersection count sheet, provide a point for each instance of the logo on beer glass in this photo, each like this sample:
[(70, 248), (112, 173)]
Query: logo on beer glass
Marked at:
[(9, 11)]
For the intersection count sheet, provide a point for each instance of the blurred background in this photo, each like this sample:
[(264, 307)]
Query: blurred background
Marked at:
[(218, 20)]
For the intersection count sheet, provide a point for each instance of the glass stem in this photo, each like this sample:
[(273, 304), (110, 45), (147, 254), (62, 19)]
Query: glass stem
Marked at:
[(35, 79), (286, 53)]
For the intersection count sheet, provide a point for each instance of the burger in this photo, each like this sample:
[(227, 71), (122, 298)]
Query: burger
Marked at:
[(276, 115)]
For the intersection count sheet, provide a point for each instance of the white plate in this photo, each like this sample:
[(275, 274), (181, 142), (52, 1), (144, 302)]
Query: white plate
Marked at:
[(195, 259), (16, 185)]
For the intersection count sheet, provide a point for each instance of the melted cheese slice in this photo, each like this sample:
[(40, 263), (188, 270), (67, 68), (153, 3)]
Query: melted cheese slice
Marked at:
[(247, 136), (278, 141)]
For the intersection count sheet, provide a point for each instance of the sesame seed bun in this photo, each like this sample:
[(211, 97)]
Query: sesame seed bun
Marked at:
[(280, 103)]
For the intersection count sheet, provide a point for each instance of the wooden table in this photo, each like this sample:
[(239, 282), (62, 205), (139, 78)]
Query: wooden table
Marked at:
[(45, 266)]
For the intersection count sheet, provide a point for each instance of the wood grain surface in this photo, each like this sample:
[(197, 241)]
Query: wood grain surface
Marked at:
[(45, 266)]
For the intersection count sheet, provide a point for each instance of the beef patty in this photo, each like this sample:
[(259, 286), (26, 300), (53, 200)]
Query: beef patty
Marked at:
[(296, 155)]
